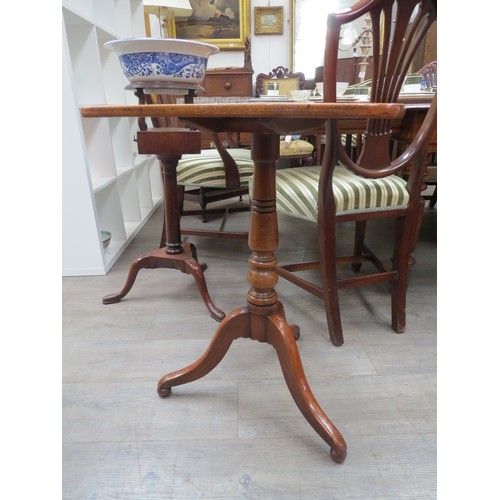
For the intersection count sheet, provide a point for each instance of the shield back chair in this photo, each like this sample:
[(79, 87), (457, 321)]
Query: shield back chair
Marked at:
[(281, 81), (368, 186), (215, 174)]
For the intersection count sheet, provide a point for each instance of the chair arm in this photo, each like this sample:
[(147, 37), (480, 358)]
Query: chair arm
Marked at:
[(230, 168)]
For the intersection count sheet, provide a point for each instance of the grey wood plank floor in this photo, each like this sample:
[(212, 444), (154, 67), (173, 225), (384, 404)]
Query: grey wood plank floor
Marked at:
[(237, 433)]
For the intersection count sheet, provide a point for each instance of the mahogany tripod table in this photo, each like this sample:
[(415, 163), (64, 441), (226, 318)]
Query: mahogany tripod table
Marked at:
[(263, 316)]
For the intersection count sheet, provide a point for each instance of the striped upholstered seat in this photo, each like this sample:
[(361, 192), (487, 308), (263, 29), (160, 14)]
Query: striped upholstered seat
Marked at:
[(297, 192), (207, 170)]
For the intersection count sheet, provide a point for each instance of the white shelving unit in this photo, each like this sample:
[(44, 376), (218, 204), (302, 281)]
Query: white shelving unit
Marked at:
[(106, 184)]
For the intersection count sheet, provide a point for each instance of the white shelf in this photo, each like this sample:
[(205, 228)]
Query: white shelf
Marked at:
[(106, 184)]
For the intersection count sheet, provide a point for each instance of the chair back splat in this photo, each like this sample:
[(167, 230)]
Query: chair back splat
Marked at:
[(370, 186), (394, 47)]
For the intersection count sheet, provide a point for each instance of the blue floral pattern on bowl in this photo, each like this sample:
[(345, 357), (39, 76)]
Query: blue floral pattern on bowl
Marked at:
[(163, 64)]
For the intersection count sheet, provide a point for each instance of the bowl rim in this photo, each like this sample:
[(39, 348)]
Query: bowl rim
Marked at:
[(113, 44)]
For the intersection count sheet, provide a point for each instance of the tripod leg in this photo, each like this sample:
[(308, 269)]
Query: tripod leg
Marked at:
[(143, 262), (282, 338), (234, 326), (194, 268)]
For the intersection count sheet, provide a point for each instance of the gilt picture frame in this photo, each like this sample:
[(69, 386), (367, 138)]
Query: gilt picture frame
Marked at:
[(268, 20), (225, 23)]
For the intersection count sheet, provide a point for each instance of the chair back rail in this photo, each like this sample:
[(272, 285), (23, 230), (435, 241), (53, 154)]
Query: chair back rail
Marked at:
[(398, 30)]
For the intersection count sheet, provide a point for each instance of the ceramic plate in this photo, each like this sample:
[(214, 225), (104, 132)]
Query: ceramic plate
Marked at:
[(348, 98), (272, 98)]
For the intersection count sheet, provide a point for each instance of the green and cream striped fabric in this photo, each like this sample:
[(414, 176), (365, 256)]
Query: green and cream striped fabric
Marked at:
[(207, 170), (297, 192)]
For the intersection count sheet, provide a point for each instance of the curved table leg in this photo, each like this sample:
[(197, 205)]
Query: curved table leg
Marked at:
[(183, 261), (281, 337), (142, 262), (235, 325)]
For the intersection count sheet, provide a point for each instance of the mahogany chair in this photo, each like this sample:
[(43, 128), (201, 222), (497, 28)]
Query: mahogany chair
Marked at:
[(216, 174), (367, 187), (282, 81)]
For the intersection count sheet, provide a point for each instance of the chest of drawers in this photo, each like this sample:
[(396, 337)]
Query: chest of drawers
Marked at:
[(227, 82)]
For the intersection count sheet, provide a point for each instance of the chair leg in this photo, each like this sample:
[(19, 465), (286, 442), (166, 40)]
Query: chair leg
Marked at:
[(433, 201), (359, 241), (402, 247), (203, 205), (334, 321), (163, 239), (328, 268)]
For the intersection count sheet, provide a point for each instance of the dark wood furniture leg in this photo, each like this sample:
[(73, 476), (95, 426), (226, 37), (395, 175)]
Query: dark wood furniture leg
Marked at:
[(262, 319), (175, 254)]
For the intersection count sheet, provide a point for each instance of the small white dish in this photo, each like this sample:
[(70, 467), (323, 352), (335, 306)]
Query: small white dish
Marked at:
[(300, 95), (349, 98), (412, 88)]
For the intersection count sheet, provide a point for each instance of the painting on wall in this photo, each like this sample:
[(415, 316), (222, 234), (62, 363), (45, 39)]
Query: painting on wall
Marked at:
[(225, 23), (268, 20)]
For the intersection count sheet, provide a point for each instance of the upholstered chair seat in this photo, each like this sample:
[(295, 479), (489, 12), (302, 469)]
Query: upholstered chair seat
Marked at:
[(207, 168), (295, 148), (297, 192)]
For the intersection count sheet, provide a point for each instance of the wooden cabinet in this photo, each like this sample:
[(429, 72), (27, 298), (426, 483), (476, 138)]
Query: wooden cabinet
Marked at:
[(227, 82), (106, 184)]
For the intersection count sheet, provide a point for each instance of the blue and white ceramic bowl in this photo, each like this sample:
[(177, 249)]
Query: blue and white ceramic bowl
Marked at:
[(162, 60)]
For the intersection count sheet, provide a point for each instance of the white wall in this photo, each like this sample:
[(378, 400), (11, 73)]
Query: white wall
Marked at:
[(268, 51)]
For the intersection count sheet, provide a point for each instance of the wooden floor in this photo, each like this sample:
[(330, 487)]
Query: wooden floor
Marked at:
[(237, 433)]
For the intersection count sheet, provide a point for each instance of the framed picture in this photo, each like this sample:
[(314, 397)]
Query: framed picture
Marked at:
[(268, 20), (225, 23)]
